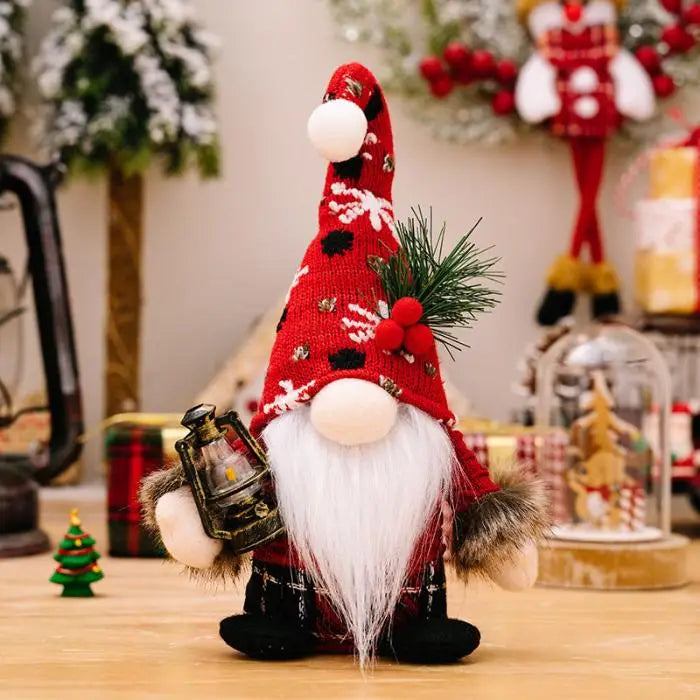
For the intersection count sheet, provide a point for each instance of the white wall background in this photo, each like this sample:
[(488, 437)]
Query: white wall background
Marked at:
[(219, 253)]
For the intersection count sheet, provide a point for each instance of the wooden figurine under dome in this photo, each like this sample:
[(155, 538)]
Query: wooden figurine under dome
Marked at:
[(611, 507)]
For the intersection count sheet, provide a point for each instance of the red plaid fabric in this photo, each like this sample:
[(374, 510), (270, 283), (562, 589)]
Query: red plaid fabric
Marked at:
[(554, 466), (478, 444), (132, 452), (526, 453), (567, 52)]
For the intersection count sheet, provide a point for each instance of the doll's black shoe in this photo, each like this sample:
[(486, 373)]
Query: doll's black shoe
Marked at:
[(432, 642), (265, 638), (603, 305), (557, 304)]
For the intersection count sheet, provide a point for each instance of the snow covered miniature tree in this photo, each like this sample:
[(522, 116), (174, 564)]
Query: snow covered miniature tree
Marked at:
[(11, 49), (77, 561), (124, 82)]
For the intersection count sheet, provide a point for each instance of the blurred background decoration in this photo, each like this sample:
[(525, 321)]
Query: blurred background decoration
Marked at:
[(457, 61), (11, 53), (124, 84)]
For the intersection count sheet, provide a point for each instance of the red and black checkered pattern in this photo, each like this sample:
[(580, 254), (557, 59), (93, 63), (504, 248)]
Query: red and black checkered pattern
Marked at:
[(132, 452)]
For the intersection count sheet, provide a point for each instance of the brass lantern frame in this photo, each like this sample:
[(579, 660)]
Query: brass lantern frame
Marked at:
[(258, 515)]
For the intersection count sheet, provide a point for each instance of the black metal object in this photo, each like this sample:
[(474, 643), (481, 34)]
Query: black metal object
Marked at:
[(246, 522), (34, 187), (19, 473)]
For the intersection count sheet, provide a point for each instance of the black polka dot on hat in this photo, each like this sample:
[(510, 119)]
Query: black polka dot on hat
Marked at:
[(283, 318), (347, 358), (337, 242), (350, 169), (374, 105)]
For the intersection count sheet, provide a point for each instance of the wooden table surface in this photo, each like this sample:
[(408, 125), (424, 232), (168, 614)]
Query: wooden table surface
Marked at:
[(150, 633)]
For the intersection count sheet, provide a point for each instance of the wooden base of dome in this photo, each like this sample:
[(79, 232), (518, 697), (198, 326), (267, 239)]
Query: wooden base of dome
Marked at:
[(614, 566)]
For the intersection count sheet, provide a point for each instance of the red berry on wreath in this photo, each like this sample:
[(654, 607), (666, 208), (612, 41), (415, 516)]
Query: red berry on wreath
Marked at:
[(503, 102), (442, 86), (407, 311), (431, 68), (649, 58), (418, 339), (677, 38), (463, 75), (692, 14), (673, 6), (663, 85), (389, 335), (456, 55), (482, 63), (506, 72)]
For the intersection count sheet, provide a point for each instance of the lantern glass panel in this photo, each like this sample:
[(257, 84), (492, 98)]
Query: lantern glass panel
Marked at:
[(225, 469), (609, 386)]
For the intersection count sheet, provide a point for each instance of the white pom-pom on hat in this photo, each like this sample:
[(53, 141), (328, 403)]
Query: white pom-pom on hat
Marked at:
[(337, 129)]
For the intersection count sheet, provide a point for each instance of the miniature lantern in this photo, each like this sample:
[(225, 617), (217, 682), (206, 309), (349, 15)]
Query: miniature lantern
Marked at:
[(602, 384), (231, 487)]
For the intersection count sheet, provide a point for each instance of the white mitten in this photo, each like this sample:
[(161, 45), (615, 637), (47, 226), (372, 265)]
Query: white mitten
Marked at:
[(536, 97), (182, 532), (518, 572), (634, 91)]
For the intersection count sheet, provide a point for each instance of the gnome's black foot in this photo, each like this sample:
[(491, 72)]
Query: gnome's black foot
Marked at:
[(432, 642), (605, 305), (264, 638), (557, 304)]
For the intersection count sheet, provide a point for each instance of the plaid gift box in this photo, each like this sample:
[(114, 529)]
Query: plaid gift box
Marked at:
[(541, 452), (135, 446)]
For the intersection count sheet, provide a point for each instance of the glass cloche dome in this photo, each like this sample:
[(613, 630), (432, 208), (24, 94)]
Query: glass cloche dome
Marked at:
[(610, 388)]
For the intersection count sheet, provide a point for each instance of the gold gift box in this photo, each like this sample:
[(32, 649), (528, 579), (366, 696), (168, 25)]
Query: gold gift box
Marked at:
[(672, 173), (665, 282)]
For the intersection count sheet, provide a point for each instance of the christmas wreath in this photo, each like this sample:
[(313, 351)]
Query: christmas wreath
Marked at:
[(457, 61)]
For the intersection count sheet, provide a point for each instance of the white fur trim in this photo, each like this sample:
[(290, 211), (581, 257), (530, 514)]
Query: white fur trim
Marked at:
[(337, 129), (182, 532), (545, 17), (518, 572), (583, 80), (353, 412), (354, 514), (586, 107), (634, 91), (536, 97), (599, 12)]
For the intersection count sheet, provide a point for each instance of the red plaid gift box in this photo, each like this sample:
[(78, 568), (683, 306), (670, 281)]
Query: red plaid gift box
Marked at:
[(543, 453), (135, 446)]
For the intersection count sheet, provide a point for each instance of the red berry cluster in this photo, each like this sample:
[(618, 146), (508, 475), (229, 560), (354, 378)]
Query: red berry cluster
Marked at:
[(460, 66), (679, 37), (404, 330)]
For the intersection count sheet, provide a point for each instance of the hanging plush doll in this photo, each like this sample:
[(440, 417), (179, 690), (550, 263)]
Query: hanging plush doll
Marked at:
[(374, 485), (585, 83)]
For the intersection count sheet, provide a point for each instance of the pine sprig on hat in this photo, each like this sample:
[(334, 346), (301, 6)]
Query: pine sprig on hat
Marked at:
[(450, 288)]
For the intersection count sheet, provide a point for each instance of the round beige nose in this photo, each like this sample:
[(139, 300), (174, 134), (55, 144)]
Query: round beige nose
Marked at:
[(353, 412)]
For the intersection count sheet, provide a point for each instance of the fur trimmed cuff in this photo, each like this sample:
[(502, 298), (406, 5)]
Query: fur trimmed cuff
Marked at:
[(499, 524), (226, 567)]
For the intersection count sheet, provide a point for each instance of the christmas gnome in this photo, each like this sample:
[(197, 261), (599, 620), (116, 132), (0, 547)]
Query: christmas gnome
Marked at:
[(585, 83), (374, 485)]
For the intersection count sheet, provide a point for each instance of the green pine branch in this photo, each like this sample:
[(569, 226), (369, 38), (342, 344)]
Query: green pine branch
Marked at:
[(451, 287)]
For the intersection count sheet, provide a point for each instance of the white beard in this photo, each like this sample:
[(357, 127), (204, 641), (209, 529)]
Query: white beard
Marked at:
[(354, 514)]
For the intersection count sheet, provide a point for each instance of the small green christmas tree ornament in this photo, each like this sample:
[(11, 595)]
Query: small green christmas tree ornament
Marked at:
[(77, 561)]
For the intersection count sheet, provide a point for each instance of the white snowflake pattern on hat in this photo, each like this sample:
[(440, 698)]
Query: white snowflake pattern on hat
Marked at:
[(290, 398), (379, 210)]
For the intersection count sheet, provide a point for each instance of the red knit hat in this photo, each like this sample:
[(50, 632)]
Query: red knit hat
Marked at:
[(336, 301)]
